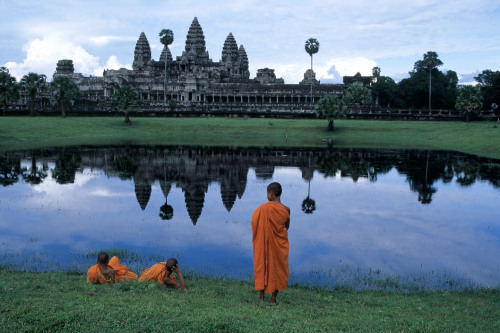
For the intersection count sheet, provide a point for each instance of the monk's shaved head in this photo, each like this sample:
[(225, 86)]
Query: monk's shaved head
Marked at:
[(103, 258), (171, 263), (274, 188)]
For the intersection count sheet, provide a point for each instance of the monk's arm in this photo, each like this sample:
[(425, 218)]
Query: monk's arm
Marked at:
[(287, 223), (109, 274), (173, 282)]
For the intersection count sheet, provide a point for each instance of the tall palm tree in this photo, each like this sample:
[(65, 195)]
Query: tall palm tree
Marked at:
[(166, 38), (32, 84), (430, 62), (312, 47)]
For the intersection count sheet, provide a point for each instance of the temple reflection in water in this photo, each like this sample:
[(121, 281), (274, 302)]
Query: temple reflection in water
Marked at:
[(193, 169)]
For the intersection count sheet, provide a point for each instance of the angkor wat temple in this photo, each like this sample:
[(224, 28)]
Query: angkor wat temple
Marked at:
[(198, 83)]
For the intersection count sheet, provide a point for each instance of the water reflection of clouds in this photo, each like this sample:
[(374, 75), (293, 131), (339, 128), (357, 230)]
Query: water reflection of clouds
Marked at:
[(379, 225)]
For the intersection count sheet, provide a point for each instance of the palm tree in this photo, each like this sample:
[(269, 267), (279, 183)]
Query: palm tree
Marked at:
[(312, 47), (125, 97), (65, 92), (33, 84), (430, 62), (375, 76), (9, 89), (166, 38)]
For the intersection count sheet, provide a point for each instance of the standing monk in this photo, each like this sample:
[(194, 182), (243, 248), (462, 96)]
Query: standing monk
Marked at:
[(270, 224)]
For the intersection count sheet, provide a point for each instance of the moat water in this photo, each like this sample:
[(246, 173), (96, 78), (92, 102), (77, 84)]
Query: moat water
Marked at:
[(360, 219)]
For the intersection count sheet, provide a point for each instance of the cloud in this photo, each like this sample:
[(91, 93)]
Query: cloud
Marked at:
[(42, 55), (104, 40), (468, 79)]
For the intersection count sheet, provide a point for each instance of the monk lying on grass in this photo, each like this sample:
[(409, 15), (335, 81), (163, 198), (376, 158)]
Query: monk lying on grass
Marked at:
[(163, 273), (109, 270)]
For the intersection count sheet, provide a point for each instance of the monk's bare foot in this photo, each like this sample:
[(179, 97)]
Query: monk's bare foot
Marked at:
[(274, 301), (261, 296)]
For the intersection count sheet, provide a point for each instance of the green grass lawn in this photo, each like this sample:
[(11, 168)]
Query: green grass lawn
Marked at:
[(479, 138), (59, 302)]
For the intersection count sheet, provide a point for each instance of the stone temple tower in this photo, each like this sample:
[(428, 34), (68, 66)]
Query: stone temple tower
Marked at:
[(243, 62), (230, 54), (142, 53), (234, 60), (195, 50)]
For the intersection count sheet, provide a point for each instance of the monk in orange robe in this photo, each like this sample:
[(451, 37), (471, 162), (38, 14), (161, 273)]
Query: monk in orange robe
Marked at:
[(270, 223), (109, 270), (122, 272), (163, 273), (102, 272)]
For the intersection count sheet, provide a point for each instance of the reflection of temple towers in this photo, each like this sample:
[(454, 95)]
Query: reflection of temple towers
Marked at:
[(143, 179), (194, 195), (228, 192), (165, 187), (233, 184), (264, 171)]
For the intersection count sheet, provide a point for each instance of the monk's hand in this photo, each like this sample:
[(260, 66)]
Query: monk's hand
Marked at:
[(175, 269)]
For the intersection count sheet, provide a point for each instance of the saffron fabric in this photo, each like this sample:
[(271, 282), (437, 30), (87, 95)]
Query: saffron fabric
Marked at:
[(270, 247), (122, 272), (155, 273), (94, 275)]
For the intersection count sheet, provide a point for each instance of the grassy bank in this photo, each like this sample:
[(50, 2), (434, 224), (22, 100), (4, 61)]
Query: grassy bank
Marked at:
[(51, 302), (480, 138)]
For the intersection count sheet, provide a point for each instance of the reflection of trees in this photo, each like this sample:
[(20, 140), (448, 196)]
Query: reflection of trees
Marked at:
[(308, 204), (125, 165), (166, 211), (351, 163), (192, 169), (420, 173), (10, 168), (466, 171), (67, 163), (34, 176)]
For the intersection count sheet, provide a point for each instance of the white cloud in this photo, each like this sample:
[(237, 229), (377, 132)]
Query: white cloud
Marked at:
[(105, 40), (42, 56)]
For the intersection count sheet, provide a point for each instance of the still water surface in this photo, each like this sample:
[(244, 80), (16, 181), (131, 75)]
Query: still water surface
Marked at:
[(363, 219)]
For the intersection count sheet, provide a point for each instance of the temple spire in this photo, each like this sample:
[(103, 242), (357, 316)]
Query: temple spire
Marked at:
[(230, 50), (166, 51), (142, 53), (195, 42)]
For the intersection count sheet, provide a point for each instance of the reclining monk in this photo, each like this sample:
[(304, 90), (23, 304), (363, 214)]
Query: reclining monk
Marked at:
[(163, 273), (107, 271), (122, 272), (270, 222)]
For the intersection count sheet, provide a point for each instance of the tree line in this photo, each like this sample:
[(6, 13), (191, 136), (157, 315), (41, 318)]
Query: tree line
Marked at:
[(427, 87)]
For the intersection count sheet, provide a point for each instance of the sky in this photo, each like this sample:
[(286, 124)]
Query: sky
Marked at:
[(354, 36)]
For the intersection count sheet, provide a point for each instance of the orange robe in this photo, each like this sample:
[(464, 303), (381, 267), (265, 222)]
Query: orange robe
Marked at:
[(155, 273), (270, 247), (94, 275), (122, 272)]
